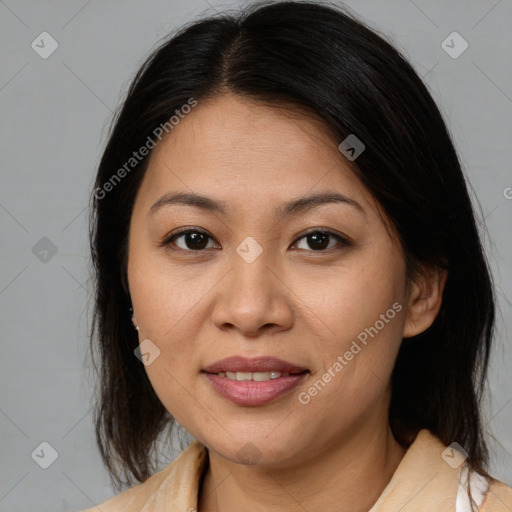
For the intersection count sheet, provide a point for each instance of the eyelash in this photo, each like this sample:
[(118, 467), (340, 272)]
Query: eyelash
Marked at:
[(344, 242)]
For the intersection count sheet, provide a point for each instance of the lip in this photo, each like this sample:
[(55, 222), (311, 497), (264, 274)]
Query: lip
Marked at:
[(255, 364), (250, 393)]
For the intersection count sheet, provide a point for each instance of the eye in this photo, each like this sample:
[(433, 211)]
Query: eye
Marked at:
[(318, 239), (195, 240), (192, 239)]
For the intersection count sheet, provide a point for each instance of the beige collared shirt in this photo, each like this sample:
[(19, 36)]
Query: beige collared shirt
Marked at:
[(424, 481)]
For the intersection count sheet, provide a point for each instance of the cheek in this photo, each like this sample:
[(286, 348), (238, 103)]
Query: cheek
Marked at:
[(364, 311), (352, 386), (163, 298), (351, 299), (164, 305)]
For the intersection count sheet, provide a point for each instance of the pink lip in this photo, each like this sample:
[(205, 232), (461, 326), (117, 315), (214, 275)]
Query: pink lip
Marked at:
[(253, 393), (249, 392), (255, 364)]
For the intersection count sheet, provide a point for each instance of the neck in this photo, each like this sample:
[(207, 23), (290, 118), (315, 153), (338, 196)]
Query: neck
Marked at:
[(349, 475)]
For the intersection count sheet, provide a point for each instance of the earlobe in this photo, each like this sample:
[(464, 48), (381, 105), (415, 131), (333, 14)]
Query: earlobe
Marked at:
[(425, 301), (134, 320)]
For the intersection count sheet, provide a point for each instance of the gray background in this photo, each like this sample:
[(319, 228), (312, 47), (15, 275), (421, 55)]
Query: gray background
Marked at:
[(54, 117)]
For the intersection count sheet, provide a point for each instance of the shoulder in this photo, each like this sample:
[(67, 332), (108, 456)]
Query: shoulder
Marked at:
[(487, 493), (134, 498), (444, 481), (177, 483), (498, 498)]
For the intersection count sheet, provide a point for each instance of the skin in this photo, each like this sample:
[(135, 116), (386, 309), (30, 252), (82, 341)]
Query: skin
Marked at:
[(293, 302)]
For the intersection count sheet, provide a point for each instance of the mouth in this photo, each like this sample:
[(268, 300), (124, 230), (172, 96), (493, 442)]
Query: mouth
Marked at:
[(254, 382), (256, 376)]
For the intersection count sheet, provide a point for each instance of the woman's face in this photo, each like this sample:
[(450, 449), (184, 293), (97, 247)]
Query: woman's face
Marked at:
[(256, 286)]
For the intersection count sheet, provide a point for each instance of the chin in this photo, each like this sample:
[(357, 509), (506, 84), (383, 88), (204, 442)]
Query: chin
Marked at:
[(253, 450)]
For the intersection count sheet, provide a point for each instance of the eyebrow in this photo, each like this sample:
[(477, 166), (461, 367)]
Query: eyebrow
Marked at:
[(292, 207)]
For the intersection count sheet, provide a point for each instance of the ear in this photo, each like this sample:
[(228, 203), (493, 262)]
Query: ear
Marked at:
[(424, 301)]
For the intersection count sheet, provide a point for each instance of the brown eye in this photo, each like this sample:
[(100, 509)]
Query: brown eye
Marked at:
[(190, 240), (196, 240), (319, 240)]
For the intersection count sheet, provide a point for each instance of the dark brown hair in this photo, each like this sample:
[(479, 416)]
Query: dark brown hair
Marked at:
[(320, 59)]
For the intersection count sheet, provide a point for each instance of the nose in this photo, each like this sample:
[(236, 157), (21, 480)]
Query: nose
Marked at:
[(253, 299)]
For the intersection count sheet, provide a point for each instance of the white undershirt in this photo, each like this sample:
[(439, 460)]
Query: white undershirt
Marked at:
[(479, 487)]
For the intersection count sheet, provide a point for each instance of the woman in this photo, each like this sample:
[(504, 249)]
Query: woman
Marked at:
[(288, 266)]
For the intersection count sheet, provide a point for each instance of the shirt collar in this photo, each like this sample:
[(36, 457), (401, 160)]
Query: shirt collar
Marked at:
[(422, 482), (426, 479)]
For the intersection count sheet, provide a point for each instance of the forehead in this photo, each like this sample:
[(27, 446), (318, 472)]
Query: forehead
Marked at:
[(234, 148)]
